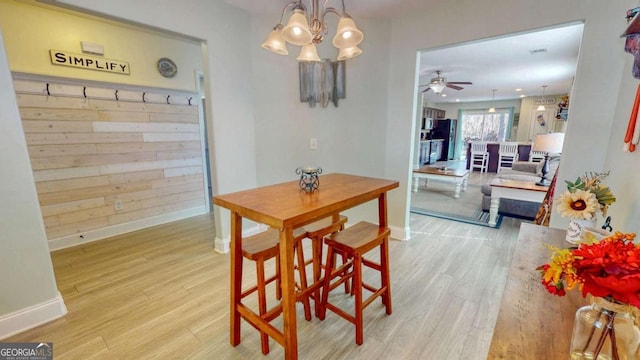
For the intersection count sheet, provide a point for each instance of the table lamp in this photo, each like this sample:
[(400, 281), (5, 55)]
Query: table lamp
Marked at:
[(547, 143)]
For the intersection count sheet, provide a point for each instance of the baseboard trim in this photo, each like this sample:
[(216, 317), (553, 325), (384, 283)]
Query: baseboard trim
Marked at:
[(28, 318), (98, 234), (402, 234), (222, 245)]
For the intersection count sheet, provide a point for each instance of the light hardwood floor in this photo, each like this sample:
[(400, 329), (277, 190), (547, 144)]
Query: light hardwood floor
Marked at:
[(162, 293)]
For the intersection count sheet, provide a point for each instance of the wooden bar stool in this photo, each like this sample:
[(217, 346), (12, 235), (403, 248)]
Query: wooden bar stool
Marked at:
[(316, 232), (355, 242), (260, 248)]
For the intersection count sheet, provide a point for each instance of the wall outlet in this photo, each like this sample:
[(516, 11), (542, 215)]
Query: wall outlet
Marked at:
[(313, 144), (118, 205)]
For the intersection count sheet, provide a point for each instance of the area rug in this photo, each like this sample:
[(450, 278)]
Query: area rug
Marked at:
[(437, 200)]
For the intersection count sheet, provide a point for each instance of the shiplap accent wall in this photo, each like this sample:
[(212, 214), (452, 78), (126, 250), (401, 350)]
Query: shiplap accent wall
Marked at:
[(87, 153)]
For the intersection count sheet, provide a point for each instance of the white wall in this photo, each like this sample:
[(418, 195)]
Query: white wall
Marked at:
[(27, 274), (600, 70)]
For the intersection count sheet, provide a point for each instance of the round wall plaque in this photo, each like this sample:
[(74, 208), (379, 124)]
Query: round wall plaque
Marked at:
[(167, 67)]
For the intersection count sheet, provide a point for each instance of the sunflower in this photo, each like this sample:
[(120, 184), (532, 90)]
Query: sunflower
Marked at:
[(579, 204)]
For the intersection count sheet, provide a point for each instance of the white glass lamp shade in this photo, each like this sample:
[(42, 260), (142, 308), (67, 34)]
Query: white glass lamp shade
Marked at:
[(348, 53), (541, 108), (492, 109), (297, 30), (347, 34), (276, 43), (437, 87), (308, 53), (550, 143)]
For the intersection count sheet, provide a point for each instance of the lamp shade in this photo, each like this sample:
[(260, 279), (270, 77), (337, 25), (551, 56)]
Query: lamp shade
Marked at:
[(297, 30), (541, 108), (347, 34), (348, 53), (308, 53), (551, 143), (275, 42), (492, 109)]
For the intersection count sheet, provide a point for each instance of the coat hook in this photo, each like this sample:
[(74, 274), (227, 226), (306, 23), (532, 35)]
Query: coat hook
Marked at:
[(143, 99), (48, 93), (189, 98), (84, 91), (168, 96), (117, 99)]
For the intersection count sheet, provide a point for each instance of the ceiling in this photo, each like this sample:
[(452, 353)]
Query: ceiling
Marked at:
[(525, 61), (366, 8), (504, 63)]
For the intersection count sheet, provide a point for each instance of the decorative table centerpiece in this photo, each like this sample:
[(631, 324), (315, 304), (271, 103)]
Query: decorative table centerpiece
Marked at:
[(309, 180), (609, 270), (582, 200)]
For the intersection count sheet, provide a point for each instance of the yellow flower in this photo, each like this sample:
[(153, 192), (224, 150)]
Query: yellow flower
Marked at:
[(579, 204)]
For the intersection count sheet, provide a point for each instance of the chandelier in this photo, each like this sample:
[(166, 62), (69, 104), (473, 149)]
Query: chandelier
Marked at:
[(308, 29)]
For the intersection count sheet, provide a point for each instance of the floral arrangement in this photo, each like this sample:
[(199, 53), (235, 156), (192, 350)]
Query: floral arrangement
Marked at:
[(585, 197), (607, 268)]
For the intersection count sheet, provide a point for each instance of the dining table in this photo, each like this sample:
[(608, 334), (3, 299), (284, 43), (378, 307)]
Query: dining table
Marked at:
[(285, 206)]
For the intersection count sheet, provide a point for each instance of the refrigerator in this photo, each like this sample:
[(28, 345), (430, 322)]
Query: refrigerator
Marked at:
[(446, 129)]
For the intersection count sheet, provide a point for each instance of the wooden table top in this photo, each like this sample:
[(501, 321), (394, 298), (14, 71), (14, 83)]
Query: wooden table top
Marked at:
[(294, 207), (517, 184), (439, 170), (532, 323)]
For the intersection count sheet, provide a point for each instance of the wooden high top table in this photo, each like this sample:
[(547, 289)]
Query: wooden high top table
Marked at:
[(285, 207)]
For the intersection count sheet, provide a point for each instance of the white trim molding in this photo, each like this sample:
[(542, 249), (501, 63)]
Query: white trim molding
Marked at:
[(222, 245), (98, 234), (402, 234), (28, 318)]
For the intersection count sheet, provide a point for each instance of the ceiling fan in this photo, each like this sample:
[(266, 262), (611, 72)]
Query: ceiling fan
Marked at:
[(438, 83)]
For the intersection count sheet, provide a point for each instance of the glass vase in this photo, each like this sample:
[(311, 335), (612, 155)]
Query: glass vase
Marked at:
[(605, 330)]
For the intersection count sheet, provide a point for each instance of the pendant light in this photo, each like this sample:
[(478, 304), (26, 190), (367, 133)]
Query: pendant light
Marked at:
[(541, 106), (492, 109)]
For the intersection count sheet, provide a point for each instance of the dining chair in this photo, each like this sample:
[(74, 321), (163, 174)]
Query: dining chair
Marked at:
[(260, 248), (479, 156), (507, 154), (355, 242), (536, 156)]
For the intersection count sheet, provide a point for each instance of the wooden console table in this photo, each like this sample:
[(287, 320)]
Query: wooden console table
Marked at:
[(532, 323)]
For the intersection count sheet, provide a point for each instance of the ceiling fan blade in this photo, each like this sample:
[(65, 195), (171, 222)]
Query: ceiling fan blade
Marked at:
[(425, 90), (454, 86), (461, 82)]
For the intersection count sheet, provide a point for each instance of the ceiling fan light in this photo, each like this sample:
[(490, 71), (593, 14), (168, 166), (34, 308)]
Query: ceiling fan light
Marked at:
[(297, 29), (275, 42), (437, 87), (347, 35), (492, 109), (308, 53), (349, 53), (541, 108)]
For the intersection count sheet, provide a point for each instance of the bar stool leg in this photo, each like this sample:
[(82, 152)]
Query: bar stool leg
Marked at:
[(262, 303), (384, 274), (327, 280), (302, 273), (357, 287)]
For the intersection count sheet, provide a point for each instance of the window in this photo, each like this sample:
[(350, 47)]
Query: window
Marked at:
[(479, 125)]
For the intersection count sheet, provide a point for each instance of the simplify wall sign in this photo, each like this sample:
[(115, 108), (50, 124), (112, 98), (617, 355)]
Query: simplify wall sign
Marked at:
[(83, 61)]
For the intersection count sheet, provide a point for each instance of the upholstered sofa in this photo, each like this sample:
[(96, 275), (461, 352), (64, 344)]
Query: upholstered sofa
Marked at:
[(523, 171)]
